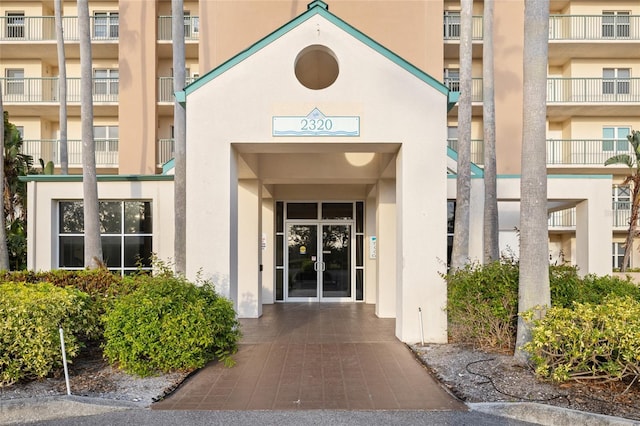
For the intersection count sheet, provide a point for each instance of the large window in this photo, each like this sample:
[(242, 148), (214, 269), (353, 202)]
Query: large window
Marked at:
[(105, 25), (614, 139), (615, 24), (14, 82), (15, 25), (105, 82), (126, 234), (616, 81)]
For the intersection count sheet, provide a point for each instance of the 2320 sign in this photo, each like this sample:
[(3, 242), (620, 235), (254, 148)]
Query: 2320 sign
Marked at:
[(316, 124)]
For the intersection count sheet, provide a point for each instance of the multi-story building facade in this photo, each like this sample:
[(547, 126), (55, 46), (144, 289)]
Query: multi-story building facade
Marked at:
[(593, 94)]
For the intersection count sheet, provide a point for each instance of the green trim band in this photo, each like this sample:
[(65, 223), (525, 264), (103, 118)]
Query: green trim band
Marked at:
[(101, 178)]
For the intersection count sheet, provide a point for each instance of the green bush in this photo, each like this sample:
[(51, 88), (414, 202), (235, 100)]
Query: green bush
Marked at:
[(29, 319), (588, 341), (482, 304), (167, 323)]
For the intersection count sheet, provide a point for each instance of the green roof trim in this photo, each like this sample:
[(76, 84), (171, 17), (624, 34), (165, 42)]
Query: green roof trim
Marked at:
[(101, 178), (475, 170), (169, 165), (316, 8), (452, 100)]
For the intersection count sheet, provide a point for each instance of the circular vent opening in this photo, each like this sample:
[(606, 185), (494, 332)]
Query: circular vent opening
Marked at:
[(316, 67)]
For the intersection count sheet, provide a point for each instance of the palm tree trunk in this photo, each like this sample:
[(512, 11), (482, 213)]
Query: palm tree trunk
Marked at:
[(92, 243), (490, 228), (534, 290), (179, 135), (4, 250), (460, 250), (62, 87), (633, 220)]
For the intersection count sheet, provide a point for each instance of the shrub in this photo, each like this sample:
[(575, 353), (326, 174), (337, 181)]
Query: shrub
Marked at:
[(167, 323), (29, 319), (588, 341), (483, 304)]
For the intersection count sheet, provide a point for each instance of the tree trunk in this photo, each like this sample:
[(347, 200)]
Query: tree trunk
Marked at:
[(460, 250), (534, 290), (179, 135), (490, 228), (92, 243), (4, 249), (633, 220), (62, 88)]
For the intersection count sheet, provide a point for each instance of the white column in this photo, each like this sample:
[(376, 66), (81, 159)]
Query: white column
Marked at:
[(386, 256), (593, 231), (421, 210), (476, 220), (371, 265), (249, 252), (268, 250)]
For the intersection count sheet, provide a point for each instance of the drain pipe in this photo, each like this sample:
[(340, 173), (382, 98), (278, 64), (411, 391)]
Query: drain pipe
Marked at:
[(421, 328), (64, 361)]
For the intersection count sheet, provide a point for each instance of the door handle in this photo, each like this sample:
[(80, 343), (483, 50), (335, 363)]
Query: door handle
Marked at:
[(322, 264), (315, 266)]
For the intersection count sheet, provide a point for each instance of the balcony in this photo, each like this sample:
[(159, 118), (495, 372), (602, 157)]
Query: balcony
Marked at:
[(44, 90), (476, 87), (191, 28), (594, 27), (43, 28), (49, 150), (165, 88), (593, 90), (585, 152), (477, 149), (452, 27), (164, 151), (564, 219)]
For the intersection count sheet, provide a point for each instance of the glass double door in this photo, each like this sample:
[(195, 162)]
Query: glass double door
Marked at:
[(319, 262)]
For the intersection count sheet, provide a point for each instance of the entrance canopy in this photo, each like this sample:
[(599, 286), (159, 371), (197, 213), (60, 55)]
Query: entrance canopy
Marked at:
[(319, 111)]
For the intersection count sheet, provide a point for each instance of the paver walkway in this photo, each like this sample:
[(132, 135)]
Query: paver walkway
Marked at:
[(315, 356)]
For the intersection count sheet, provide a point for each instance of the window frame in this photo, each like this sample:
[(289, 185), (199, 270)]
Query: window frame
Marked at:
[(616, 24), (123, 236), (15, 24), (106, 25), (617, 143), (108, 85), (451, 24), (614, 83), (14, 85), (617, 255)]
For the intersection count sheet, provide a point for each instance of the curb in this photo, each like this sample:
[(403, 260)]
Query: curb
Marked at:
[(548, 415), (26, 410)]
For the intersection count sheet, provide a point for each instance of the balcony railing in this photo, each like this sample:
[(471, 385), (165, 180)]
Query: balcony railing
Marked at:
[(476, 87), (567, 218), (477, 149), (165, 88), (452, 27), (43, 28), (165, 151), (49, 150), (594, 27), (191, 28), (593, 90), (45, 90), (585, 152)]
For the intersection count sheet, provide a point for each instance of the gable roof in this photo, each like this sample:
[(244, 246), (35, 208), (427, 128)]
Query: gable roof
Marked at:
[(314, 8)]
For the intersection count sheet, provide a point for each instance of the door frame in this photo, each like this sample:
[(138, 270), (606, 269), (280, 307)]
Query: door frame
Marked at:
[(319, 223)]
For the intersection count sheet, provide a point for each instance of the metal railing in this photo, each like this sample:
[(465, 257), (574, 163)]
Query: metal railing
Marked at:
[(476, 87), (45, 90), (593, 90), (165, 151), (567, 218), (452, 27), (585, 151), (49, 150), (191, 28), (594, 27), (477, 149), (43, 28), (165, 88)]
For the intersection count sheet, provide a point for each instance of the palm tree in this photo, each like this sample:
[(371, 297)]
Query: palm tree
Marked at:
[(92, 242), (62, 87), (179, 135), (633, 178), (534, 290), (4, 250), (490, 228), (460, 250)]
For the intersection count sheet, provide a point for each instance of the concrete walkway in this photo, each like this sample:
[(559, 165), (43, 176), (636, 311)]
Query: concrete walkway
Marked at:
[(315, 356)]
